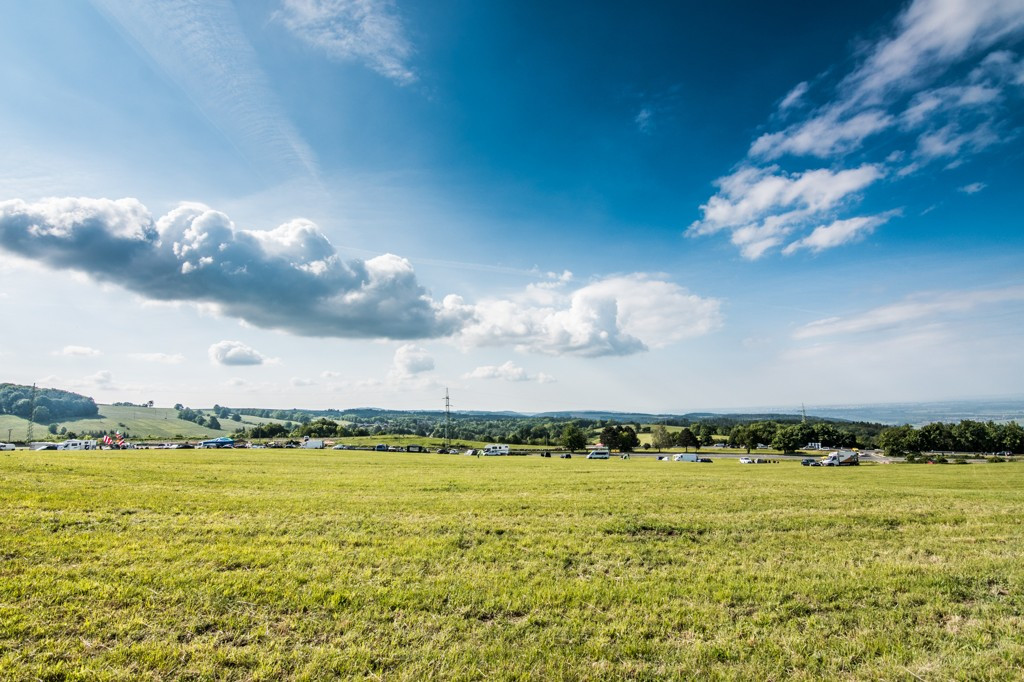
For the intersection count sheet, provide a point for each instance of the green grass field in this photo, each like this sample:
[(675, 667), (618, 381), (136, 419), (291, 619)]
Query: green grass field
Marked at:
[(267, 565)]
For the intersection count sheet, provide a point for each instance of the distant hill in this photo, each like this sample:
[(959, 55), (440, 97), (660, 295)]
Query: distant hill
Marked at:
[(151, 423), (44, 405), (918, 414)]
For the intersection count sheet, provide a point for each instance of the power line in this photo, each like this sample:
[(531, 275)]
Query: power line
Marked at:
[(447, 419), (31, 415)]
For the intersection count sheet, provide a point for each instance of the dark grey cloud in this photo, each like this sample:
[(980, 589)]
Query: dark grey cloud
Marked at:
[(289, 278)]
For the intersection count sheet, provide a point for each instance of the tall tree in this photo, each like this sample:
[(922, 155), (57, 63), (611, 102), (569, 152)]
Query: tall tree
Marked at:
[(628, 440), (686, 439), (789, 438), (660, 437), (610, 437), (573, 438)]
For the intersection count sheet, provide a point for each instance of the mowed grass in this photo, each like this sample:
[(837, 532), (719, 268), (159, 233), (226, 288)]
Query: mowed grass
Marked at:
[(267, 565)]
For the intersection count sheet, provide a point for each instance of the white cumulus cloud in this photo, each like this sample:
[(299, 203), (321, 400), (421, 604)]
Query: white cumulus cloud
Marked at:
[(760, 206), (289, 278), (617, 315), (234, 353), (411, 359)]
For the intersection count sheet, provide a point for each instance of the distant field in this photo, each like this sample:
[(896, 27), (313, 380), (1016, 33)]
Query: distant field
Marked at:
[(268, 565)]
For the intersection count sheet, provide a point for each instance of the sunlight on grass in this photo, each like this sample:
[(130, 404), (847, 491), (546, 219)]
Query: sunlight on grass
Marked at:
[(315, 565)]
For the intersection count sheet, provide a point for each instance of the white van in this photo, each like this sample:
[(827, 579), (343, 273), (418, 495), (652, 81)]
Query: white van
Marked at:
[(599, 453), (6, 446), (494, 450)]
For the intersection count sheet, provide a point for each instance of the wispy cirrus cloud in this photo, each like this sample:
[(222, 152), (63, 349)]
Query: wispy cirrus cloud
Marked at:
[(507, 371), (939, 86), (202, 48), (366, 31), (159, 358), (78, 352), (914, 310), (839, 232)]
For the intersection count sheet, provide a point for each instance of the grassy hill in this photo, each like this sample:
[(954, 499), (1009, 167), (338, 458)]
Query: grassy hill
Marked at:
[(145, 423)]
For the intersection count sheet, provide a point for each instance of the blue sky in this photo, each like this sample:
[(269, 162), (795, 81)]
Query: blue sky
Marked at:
[(541, 206)]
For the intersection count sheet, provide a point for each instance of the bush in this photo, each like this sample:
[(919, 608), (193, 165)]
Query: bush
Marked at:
[(995, 459)]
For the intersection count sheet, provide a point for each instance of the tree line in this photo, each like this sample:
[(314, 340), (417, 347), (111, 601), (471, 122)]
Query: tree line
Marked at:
[(965, 436)]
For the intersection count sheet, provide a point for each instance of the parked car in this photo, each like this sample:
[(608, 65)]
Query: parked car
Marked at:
[(746, 460), (808, 461), (565, 455)]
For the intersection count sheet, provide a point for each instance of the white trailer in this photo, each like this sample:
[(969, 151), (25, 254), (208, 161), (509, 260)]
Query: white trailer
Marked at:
[(76, 444), (495, 450)]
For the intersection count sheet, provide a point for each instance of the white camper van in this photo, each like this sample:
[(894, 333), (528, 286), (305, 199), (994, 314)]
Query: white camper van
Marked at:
[(494, 450)]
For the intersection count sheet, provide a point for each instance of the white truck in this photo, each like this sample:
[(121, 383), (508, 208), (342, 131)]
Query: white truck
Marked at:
[(841, 458), (495, 450)]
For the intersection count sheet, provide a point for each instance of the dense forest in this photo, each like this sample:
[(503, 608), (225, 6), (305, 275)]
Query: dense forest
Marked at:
[(50, 404)]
